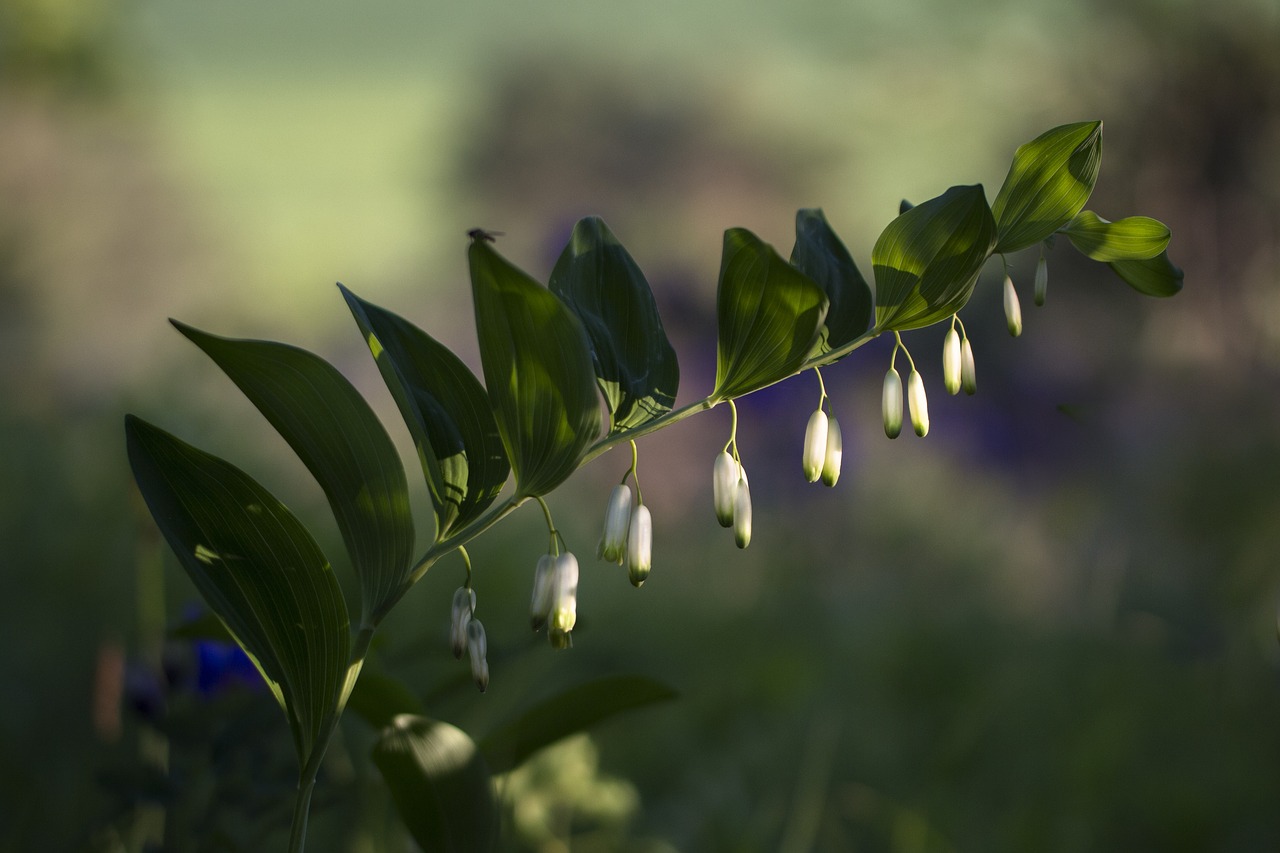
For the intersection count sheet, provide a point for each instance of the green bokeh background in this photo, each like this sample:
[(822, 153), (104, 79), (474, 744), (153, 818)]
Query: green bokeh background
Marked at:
[(1049, 626)]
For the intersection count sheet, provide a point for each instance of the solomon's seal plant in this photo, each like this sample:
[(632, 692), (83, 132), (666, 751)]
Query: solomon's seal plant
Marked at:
[(550, 357)]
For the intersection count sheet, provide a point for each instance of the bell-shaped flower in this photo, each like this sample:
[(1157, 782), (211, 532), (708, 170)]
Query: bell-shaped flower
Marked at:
[(478, 645), (742, 513), (640, 545), (951, 361), (564, 596), (1012, 308), (835, 451), (968, 375), (919, 404), (613, 544), (724, 481), (543, 588), (891, 403), (1042, 280), (464, 604), (815, 445)]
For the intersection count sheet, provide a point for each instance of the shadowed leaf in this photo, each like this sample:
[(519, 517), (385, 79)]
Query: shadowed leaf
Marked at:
[(1154, 276), (819, 254), (1134, 238)]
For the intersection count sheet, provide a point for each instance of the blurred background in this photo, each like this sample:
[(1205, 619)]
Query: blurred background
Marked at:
[(1051, 625)]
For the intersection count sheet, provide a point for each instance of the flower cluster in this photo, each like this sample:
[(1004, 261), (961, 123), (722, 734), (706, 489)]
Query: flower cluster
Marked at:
[(554, 603), (628, 535), (732, 497), (466, 634)]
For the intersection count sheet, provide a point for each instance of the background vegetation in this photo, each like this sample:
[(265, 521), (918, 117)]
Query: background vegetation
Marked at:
[(1050, 625)]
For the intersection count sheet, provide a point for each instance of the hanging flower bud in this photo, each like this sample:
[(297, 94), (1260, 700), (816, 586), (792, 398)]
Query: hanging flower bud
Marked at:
[(742, 513), (613, 545), (564, 598), (479, 648), (968, 376), (464, 604), (919, 404), (640, 546), (815, 445), (835, 451), (951, 361), (891, 403), (543, 587), (1012, 308), (1042, 280), (724, 480)]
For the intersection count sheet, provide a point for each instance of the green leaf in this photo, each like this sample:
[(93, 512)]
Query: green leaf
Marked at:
[(1134, 238), (769, 314), (819, 254), (447, 412), (635, 364), (336, 435), (378, 698), (1154, 276), (440, 785), (927, 261), (259, 571), (567, 713), (537, 367), (1049, 182)]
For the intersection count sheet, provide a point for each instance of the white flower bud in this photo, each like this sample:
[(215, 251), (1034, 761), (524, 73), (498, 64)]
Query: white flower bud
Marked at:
[(1042, 280), (640, 545), (464, 604), (742, 513), (724, 480), (891, 403), (478, 645), (564, 601), (613, 544), (968, 376), (835, 451), (815, 445), (919, 404), (951, 361), (543, 586), (1012, 308)]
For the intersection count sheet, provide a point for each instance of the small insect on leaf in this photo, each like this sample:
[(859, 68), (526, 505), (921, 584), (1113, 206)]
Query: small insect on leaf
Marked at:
[(481, 234)]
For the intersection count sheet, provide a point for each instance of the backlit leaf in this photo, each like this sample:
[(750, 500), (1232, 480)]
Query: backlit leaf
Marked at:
[(1154, 276), (447, 412), (1134, 238), (635, 364), (769, 316), (927, 261), (1048, 183), (336, 435), (819, 254), (257, 568), (537, 368)]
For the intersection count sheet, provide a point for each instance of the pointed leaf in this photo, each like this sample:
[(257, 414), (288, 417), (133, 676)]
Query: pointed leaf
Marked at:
[(440, 785), (336, 435), (447, 412), (567, 713), (1154, 276), (635, 364), (257, 568), (819, 254), (537, 367), (1134, 238), (1048, 183), (769, 315), (927, 261)]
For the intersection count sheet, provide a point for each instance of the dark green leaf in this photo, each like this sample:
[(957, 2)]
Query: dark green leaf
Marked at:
[(819, 254), (378, 698), (572, 711), (1134, 238), (1049, 182), (1154, 276), (635, 364), (769, 316), (927, 261), (257, 568), (446, 409), (336, 435), (440, 785), (904, 206), (537, 367)]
